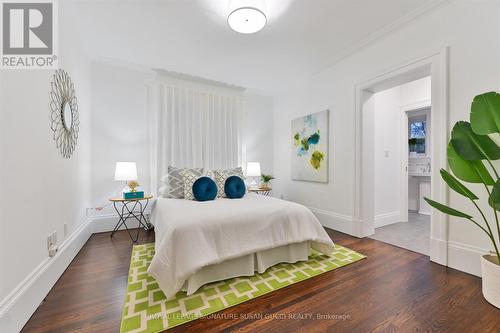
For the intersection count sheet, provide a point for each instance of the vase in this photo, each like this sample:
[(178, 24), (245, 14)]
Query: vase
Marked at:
[(490, 271)]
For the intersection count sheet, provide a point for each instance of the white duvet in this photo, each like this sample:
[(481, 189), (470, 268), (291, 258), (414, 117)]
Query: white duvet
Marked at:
[(191, 234)]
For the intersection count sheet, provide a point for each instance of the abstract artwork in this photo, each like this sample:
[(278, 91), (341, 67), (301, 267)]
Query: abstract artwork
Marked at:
[(310, 147)]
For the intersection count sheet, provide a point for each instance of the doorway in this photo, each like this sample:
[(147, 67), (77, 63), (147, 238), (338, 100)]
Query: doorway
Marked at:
[(402, 164), (367, 216)]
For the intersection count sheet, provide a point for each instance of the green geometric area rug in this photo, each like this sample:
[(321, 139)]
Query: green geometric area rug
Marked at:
[(147, 310)]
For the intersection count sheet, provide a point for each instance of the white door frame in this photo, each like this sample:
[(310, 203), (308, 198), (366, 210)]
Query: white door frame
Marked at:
[(435, 65)]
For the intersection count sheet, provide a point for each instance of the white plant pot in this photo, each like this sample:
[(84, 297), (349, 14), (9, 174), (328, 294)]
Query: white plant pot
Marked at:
[(490, 271)]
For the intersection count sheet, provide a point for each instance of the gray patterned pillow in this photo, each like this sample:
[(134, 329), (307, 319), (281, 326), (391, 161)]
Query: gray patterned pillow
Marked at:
[(222, 175), (176, 181), (189, 178)]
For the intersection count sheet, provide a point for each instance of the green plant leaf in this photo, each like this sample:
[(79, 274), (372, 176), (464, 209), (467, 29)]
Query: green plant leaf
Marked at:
[(456, 185), (485, 113), (447, 210), (468, 171), (266, 178), (494, 199), (473, 147)]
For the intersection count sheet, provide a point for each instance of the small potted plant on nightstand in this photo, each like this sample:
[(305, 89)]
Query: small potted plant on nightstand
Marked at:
[(265, 181), (469, 146)]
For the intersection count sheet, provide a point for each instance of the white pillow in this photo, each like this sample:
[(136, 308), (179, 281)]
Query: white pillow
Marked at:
[(163, 191)]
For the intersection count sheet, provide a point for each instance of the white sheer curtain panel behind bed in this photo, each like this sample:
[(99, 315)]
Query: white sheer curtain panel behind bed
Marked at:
[(193, 123)]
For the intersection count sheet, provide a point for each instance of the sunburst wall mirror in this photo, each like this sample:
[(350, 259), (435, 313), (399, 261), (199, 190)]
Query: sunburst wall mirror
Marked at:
[(64, 113)]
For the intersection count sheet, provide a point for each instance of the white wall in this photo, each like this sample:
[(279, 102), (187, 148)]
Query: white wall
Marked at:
[(258, 130), (120, 130), (119, 126), (387, 155), (471, 30), (40, 190)]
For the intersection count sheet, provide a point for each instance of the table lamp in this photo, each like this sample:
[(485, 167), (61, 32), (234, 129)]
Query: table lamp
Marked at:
[(127, 171), (253, 170)]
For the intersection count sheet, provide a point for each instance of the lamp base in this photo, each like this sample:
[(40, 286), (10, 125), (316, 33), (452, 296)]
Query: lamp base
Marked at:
[(253, 182)]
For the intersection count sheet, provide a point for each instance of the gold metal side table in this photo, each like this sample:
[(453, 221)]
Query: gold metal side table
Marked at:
[(260, 190), (131, 209)]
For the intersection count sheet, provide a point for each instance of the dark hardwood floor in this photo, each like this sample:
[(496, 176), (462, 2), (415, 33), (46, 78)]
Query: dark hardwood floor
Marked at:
[(392, 290)]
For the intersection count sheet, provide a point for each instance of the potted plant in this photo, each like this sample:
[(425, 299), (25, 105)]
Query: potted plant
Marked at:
[(265, 179), (470, 154)]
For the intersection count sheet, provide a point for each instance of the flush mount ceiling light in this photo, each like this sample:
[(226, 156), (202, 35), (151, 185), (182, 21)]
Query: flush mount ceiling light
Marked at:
[(247, 20)]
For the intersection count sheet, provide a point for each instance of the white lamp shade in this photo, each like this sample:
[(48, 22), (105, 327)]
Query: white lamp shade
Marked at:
[(126, 171), (253, 169)]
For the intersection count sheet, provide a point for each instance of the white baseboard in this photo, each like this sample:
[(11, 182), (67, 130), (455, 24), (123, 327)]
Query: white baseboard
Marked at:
[(387, 218), (107, 222), (103, 223), (335, 221), (21, 303), (465, 258)]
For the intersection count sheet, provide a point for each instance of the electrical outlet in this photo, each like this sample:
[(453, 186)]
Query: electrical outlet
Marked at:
[(49, 241), (52, 244), (65, 229)]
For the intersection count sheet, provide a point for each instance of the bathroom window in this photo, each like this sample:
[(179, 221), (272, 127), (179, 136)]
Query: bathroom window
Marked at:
[(416, 141)]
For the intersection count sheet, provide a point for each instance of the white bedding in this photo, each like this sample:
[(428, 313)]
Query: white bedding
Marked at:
[(191, 235)]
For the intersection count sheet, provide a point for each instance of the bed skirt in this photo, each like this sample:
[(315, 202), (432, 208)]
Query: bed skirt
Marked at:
[(247, 265)]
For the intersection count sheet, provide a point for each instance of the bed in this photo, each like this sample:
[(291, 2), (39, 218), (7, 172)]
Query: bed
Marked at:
[(202, 242)]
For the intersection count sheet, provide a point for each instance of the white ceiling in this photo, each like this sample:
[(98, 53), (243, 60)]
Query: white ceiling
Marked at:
[(192, 37)]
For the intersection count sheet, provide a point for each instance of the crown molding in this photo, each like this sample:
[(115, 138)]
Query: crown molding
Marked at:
[(427, 7)]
